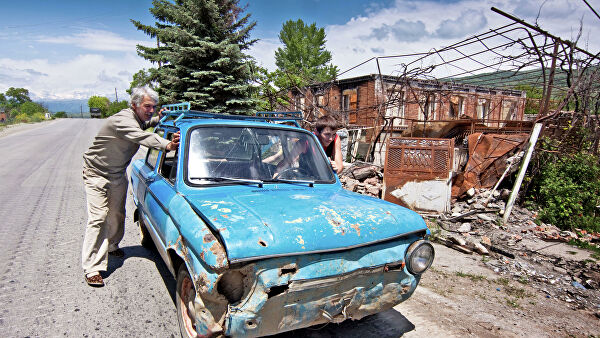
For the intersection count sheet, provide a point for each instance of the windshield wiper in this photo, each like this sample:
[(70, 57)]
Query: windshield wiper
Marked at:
[(230, 179), (275, 180)]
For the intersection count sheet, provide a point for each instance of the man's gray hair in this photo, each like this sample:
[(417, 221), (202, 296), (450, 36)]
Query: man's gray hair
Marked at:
[(138, 94)]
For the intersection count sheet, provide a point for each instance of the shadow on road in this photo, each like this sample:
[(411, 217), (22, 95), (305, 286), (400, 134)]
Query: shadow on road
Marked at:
[(390, 323), (141, 252)]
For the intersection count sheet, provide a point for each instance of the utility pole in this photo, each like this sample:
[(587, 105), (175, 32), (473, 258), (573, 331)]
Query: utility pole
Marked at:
[(116, 97), (81, 110)]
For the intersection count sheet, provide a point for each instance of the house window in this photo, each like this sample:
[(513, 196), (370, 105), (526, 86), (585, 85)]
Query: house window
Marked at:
[(299, 103), (395, 111), (320, 100), (483, 108), (349, 99), (456, 106), (427, 107), (509, 109)]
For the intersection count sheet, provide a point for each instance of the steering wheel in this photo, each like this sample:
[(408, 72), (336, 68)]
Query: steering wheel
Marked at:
[(291, 173)]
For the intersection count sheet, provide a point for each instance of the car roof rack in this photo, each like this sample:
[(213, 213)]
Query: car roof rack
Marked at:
[(180, 111)]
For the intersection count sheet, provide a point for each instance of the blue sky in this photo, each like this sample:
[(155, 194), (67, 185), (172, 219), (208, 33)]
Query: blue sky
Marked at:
[(67, 49)]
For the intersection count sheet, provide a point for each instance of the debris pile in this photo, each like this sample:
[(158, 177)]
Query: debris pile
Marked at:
[(363, 178), (526, 249)]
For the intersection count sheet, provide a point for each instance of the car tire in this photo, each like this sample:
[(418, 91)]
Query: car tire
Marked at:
[(184, 298), (145, 238)]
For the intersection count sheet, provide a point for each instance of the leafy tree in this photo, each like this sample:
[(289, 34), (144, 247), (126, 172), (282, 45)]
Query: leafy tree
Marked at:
[(99, 102), (30, 108), (17, 95), (200, 56), (268, 96), (3, 100), (60, 115), (303, 59), (143, 78), (116, 106)]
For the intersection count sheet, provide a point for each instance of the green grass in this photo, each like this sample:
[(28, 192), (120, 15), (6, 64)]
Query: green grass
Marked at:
[(588, 246), (474, 278), (502, 281), (512, 302)]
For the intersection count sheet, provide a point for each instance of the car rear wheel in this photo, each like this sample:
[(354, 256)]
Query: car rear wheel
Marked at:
[(145, 238)]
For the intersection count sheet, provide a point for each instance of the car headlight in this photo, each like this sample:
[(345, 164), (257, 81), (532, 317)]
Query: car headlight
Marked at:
[(419, 257)]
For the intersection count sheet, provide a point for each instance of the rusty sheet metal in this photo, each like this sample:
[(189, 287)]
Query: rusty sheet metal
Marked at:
[(288, 293), (487, 160), (417, 172)]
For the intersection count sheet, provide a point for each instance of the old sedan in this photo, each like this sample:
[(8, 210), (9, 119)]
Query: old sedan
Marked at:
[(254, 224)]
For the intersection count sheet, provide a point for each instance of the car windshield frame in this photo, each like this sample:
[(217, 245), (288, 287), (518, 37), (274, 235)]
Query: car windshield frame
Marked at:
[(234, 153)]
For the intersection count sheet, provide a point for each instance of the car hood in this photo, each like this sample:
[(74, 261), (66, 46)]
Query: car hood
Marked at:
[(270, 222)]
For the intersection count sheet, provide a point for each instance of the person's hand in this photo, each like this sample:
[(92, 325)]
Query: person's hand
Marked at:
[(333, 165), (161, 111), (174, 144)]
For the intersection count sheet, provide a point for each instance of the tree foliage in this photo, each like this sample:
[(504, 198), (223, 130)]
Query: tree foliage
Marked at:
[(200, 56), (100, 102), (17, 96), (143, 78), (115, 107), (31, 108), (303, 59)]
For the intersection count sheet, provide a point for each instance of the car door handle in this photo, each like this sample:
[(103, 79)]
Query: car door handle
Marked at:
[(150, 179)]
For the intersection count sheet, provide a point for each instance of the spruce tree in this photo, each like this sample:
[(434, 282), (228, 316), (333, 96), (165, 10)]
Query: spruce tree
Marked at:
[(200, 54)]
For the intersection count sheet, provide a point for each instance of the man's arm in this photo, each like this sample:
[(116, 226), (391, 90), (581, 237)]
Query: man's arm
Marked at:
[(338, 162), (130, 130)]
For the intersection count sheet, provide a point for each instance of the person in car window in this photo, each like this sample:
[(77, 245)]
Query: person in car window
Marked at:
[(326, 130), (105, 179)]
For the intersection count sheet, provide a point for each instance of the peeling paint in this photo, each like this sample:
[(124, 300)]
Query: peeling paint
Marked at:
[(300, 197), (208, 238), (357, 228), (226, 210), (297, 220)]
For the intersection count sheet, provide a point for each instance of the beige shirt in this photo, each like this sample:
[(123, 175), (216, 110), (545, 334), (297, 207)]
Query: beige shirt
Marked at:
[(118, 140)]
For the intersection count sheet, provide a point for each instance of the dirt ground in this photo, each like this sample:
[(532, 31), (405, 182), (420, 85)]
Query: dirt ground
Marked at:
[(461, 296)]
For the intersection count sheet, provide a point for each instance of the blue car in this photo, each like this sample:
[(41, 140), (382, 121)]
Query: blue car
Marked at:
[(254, 224)]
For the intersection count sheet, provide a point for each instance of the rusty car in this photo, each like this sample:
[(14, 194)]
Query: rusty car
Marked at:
[(263, 239)]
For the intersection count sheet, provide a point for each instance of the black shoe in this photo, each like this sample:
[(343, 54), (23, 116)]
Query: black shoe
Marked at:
[(117, 253)]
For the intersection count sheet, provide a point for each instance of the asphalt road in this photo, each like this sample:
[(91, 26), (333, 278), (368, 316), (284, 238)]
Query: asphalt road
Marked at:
[(42, 220)]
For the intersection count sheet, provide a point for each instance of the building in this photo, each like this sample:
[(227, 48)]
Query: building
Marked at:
[(392, 105)]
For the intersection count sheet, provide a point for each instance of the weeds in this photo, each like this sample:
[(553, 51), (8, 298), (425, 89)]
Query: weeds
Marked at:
[(512, 302), (502, 281), (474, 278)]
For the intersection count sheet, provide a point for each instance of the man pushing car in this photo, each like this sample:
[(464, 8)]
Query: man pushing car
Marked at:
[(105, 178)]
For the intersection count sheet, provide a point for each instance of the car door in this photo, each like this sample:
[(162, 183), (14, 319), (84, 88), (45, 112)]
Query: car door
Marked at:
[(161, 190)]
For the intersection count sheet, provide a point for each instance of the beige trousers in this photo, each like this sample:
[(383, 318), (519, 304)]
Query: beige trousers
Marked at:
[(106, 219)]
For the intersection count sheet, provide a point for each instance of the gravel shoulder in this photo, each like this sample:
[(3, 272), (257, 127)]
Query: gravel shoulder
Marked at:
[(462, 296)]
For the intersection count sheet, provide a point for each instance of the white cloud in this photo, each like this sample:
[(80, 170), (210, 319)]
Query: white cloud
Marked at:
[(411, 26), (92, 39), (79, 77), (264, 52)]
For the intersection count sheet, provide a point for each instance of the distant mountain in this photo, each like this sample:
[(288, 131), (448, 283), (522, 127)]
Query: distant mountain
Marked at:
[(72, 107)]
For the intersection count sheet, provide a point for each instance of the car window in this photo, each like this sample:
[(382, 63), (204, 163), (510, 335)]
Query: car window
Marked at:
[(256, 154), (152, 155), (168, 167)]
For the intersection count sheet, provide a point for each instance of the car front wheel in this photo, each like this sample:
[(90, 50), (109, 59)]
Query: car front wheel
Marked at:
[(185, 296)]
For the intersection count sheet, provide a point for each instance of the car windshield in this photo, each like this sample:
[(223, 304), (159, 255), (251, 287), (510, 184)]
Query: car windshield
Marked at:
[(233, 154)]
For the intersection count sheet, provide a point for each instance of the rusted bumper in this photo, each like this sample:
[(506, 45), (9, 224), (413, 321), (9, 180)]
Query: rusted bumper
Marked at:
[(278, 303)]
